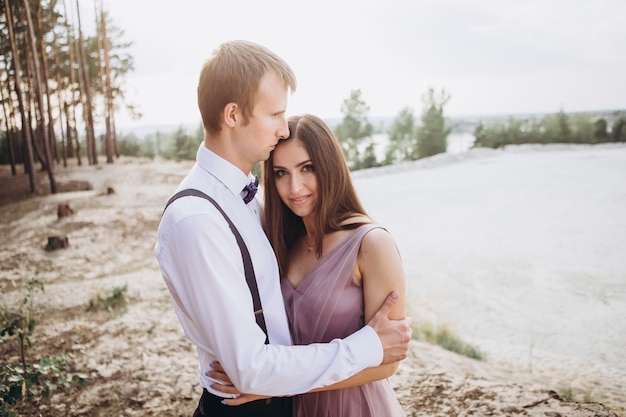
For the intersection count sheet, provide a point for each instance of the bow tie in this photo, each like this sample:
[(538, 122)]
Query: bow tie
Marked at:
[(250, 190)]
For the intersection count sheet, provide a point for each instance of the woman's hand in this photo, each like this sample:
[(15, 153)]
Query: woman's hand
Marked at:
[(226, 386)]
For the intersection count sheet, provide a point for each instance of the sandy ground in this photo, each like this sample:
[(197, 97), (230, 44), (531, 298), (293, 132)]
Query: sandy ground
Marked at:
[(518, 251)]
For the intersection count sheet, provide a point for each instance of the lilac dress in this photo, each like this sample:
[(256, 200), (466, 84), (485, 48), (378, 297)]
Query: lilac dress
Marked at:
[(328, 305)]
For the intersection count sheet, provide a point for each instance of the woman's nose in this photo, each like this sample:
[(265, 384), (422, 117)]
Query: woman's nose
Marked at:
[(296, 183)]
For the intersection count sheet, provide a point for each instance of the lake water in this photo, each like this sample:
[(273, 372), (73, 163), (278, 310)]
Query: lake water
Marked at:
[(457, 143)]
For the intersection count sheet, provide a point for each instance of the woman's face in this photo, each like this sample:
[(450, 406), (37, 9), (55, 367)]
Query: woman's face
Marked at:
[(295, 178)]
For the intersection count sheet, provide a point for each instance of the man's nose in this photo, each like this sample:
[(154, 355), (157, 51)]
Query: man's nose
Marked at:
[(283, 131)]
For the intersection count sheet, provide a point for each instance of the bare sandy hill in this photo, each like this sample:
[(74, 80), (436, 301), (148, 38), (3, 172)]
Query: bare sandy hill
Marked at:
[(139, 363)]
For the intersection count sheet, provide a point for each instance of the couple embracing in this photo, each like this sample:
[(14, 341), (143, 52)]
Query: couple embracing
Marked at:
[(295, 299)]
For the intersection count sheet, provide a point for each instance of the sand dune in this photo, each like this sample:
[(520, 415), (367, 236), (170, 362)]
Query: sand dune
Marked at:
[(520, 251)]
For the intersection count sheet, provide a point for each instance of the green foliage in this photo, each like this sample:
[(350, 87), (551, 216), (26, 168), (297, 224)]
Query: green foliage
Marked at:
[(402, 140), (131, 145), (443, 337), (180, 144), (256, 169), (39, 379), (512, 132), (116, 301), (600, 133), (566, 393), (369, 159), (183, 145), (21, 322), (59, 40), (29, 379), (121, 62), (618, 132), (142, 376), (353, 131), (409, 141), (564, 130), (432, 134), (552, 128), (5, 411)]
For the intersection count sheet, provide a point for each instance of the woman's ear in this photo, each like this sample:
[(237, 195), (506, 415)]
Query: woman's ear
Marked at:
[(231, 113)]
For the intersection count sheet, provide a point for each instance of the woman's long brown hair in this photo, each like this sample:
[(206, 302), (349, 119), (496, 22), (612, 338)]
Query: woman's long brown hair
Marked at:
[(336, 197)]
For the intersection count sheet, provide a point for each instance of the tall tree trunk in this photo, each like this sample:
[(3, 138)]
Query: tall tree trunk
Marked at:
[(39, 96), (69, 131), (60, 95), (29, 100), (7, 109), (102, 58), (110, 111), (109, 104), (6, 106), (81, 100), (29, 164), (114, 130), (70, 113), (87, 101), (45, 77)]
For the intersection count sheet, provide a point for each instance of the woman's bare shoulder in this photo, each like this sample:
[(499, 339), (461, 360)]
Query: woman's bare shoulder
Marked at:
[(378, 239)]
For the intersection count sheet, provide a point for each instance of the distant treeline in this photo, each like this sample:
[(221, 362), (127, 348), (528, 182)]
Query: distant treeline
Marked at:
[(552, 128), (180, 144), (409, 138)]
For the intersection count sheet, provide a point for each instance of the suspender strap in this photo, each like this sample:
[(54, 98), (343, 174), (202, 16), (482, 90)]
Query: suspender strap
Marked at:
[(245, 256)]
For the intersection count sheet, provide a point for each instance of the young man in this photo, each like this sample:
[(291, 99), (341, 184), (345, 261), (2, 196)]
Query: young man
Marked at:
[(242, 96)]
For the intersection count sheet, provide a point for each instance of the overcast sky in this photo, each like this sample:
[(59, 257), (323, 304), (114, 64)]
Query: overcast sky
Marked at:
[(494, 57)]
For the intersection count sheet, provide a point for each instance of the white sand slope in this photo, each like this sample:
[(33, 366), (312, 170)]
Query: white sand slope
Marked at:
[(520, 251)]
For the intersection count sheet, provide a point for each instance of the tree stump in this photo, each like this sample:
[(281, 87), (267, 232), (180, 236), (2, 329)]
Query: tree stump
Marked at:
[(64, 210), (57, 242)]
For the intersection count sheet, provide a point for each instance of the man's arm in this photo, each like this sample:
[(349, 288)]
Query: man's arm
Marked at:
[(214, 306), (378, 271), (224, 384)]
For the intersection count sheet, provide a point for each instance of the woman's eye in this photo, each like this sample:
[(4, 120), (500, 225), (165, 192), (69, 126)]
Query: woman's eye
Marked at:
[(279, 173), (307, 168)]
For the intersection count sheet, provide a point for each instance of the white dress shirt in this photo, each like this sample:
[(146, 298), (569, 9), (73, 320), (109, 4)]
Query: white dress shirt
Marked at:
[(201, 264)]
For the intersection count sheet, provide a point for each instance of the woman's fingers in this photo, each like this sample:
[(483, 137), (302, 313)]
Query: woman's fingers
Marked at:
[(218, 373), (242, 399), (220, 376), (226, 389)]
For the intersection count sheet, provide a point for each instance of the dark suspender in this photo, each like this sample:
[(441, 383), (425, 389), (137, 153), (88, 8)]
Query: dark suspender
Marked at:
[(245, 255)]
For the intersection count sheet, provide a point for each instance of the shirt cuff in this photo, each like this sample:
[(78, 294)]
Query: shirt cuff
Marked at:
[(367, 337)]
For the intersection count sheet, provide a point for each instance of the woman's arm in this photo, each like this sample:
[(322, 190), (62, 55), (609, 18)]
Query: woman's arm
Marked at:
[(378, 271)]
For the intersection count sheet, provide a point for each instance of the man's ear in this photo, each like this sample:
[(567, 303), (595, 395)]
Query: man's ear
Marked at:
[(231, 113)]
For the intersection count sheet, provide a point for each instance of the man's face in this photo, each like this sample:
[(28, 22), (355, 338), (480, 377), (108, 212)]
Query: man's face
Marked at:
[(267, 124)]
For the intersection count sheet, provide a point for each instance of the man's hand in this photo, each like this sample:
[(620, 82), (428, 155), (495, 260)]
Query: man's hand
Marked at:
[(395, 335)]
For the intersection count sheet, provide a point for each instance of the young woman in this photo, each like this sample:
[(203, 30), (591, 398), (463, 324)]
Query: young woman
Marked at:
[(337, 266)]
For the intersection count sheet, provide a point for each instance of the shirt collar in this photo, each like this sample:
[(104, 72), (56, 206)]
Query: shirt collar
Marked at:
[(225, 172)]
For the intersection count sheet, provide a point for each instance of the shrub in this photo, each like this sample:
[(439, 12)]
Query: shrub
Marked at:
[(30, 378), (447, 340)]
